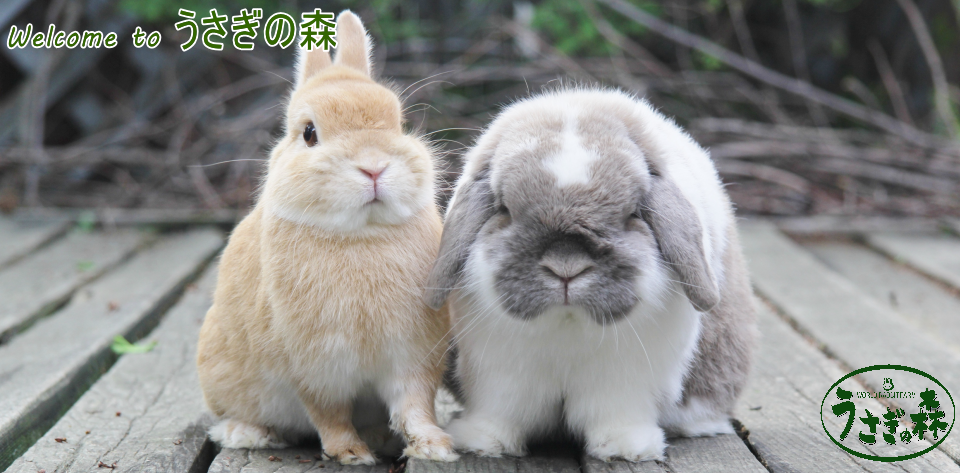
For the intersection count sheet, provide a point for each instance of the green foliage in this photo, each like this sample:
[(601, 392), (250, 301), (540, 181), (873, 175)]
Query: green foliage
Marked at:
[(84, 266), (707, 62), (393, 20), (86, 221), (567, 26), (121, 346), (944, 30), (163, 10), (839, 47), (714, 6), (836, 5)]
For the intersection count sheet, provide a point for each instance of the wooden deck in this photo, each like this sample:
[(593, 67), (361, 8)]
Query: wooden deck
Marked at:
[(835, 296)]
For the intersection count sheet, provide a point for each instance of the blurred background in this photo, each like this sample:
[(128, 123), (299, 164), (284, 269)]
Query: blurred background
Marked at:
[(809, 107)]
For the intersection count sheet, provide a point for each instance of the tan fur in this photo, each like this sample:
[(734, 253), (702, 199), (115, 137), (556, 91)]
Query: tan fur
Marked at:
[(299, 303)]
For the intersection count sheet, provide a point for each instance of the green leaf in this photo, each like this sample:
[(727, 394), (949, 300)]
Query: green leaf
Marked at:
[(86, 221), (85, 265), (121, 346)]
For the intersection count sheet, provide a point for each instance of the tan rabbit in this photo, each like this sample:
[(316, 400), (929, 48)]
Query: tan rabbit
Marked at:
[(318, 307)]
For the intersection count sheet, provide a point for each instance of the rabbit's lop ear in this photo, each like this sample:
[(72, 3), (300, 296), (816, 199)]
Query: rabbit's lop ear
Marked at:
[(309, 63), (471, 208), (677, 230), (353, 43)]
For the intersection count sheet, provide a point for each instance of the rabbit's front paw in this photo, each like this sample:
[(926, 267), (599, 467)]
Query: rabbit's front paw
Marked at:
[(358, 454), (438, 447), (231, 433), (486, 439), (634, 444)]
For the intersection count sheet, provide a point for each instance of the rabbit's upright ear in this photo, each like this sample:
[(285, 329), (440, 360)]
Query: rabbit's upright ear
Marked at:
[(471, 207), (677, 230), (353, 43), (309, 63)]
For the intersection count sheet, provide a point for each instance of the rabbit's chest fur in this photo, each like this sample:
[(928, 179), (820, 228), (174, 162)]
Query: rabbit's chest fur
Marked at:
[(350, 304)]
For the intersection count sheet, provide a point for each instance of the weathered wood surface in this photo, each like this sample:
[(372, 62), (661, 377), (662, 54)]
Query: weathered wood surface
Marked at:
[(285, 461), (45, 280), (162, 423), (852, 226), (780, 408), (937, 255), (720, 454), (109, 218), (20, 238), (931, 308), (594, 465), (855, 328), (45, 369), (473, 464)]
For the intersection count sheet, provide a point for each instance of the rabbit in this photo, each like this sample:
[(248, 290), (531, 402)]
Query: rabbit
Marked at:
[(318, 317), (595, 280)]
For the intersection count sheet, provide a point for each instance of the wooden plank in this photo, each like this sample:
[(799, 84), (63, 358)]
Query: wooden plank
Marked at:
[(285, 461), (44, 281), (780, 408), (937, 255), (720, 454), (20, 239), (852, 326), (45, 369), (852, 226), (163, 424), (109, 218), (470, 463), (930, 307), (594, 465)]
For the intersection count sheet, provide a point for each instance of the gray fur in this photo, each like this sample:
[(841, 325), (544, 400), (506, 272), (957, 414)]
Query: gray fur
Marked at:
[(727, 335), (474, 207), (677, 230)]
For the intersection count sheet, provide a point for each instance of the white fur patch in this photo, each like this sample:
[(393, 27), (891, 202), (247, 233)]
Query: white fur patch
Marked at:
[(696, 419), (572, 164)]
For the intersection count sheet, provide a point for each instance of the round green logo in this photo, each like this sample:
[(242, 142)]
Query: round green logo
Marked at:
[(908, 417)]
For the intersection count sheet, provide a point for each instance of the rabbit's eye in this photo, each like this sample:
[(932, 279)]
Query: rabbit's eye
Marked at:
[(636, 223), (502, 218), (310, 134)]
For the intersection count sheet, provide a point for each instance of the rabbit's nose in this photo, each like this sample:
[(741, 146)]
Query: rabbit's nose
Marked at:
[(373, 172), (567, 270)]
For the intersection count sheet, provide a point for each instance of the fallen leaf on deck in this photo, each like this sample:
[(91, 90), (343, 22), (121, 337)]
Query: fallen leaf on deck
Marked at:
[(121, 346)]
